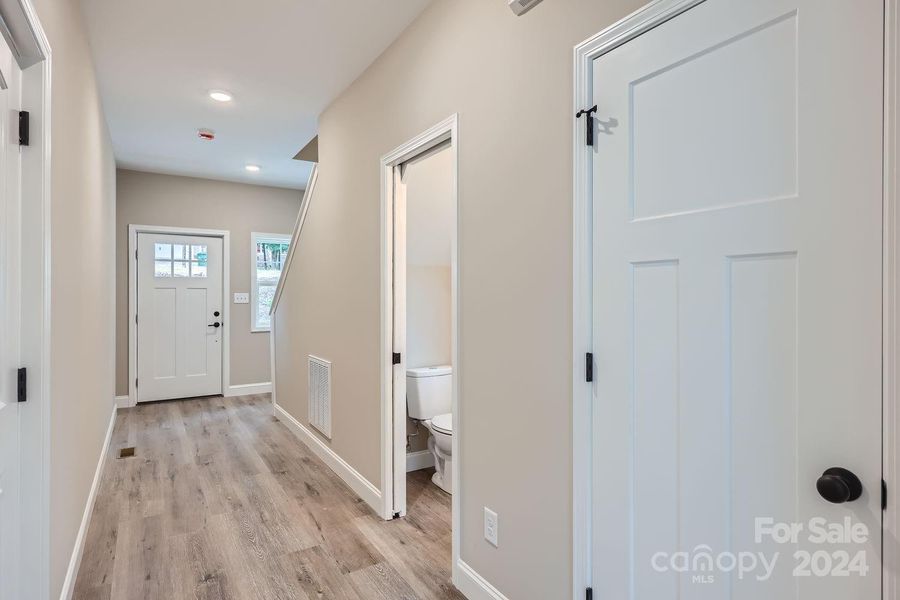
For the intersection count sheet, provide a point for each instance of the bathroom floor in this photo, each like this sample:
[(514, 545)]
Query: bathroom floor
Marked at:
[(221, 501)]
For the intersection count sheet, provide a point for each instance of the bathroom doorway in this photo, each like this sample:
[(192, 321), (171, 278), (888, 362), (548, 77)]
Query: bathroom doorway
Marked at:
[(420, 325)]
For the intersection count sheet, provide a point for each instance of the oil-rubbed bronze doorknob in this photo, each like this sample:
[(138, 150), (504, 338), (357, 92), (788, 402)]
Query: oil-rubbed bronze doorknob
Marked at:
[(839, 485), (216, 325)]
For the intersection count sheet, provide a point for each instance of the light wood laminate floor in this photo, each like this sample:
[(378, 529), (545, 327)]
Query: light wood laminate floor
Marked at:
[(221, 501)]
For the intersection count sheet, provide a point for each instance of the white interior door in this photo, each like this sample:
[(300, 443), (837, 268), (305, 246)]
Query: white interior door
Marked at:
[(737, 185), (179, 316), (10, 319)]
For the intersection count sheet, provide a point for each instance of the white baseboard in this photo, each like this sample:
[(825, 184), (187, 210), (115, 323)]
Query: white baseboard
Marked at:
[(359, 484), (474, 586), (419, 460), (246, 389), (124, 402), (75, 562)]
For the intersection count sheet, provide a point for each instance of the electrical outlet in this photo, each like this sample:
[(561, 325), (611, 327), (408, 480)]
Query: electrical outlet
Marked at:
[(490, 526), (241, 298)]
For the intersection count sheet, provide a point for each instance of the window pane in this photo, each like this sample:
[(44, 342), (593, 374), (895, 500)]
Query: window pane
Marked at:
[(198, 269), (270, 256), (163, 251), (264, 297), (199, 254), (181, 252), (182, 269), (162, 268)]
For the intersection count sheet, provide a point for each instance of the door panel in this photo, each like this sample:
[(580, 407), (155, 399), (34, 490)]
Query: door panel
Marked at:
[(737, 297), (179, 292)]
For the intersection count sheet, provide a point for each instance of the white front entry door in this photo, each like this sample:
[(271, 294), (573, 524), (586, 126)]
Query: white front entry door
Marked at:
[(10, 319), (180, 300), (737, 201)]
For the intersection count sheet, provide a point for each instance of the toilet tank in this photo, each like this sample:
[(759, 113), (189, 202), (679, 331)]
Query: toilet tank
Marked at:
[(428, 391)]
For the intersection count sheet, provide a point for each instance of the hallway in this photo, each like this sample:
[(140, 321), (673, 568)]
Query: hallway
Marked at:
[(221, 501)]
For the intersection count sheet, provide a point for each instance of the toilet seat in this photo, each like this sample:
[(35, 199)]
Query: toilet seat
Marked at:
[(443, 423)]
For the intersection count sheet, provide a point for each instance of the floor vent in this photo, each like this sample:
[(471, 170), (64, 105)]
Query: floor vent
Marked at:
[(320, 395), (126, 452)]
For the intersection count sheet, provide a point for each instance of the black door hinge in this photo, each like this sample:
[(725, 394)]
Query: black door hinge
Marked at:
[(396, 358), (589, 367), (589, 594), (22, 385), (23, 128), (589, 123), (883, 495)]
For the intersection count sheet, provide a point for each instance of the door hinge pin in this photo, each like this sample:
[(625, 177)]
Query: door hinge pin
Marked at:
[(396, 358), (589, 367), (22, 384), (589, 594), (24, 133), (883, 495), (589, 123)]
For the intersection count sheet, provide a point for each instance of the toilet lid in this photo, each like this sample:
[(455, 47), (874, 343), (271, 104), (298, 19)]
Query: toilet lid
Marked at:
[(443, 423)]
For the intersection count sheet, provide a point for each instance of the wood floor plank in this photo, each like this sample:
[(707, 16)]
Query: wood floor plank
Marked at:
[(382, 582), (222, 502), (318, 575)]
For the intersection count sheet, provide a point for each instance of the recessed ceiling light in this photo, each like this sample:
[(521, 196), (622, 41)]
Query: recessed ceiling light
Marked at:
[(252, 168), (220, 95)]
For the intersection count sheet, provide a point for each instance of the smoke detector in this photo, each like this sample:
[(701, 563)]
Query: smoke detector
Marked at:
[(206, 134), (520, 7)]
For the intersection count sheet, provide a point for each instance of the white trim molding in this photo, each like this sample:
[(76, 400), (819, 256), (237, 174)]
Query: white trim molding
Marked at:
[(248, 389), (353, 478), (78, 551), (123, 402), (295, 236), (34, 426), (473, 585), (644, 19), (133, 231), (891, 302), (416, 461), (393, 410)]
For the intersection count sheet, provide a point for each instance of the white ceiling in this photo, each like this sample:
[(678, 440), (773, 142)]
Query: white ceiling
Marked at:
[(284, 61)]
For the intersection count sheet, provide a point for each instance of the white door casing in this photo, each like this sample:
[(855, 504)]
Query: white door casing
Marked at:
[(737, 234), (179, 353), (399, 333), (10, 326)]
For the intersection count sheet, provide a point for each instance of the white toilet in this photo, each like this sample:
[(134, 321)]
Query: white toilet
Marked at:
[(428, 399)]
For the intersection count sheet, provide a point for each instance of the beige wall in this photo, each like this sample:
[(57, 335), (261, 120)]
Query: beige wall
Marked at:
[(428, 317), (510, 80), (173, 201), (82, 272)]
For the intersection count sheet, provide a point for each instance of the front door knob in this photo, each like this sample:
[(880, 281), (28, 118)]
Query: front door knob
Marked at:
[(839, 485)]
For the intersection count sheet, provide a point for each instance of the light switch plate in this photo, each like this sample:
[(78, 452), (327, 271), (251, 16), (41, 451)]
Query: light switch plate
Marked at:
[(491, 524), (241, 298)]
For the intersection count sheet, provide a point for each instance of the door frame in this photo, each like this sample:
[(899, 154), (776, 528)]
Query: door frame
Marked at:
[(32, 49), (133, 231), (621, 32), (393, 409)]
